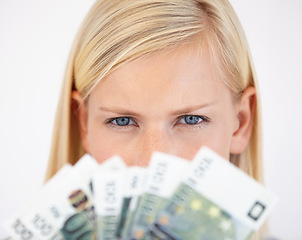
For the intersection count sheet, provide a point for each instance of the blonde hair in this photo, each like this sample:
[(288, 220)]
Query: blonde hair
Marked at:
[(116, 32)]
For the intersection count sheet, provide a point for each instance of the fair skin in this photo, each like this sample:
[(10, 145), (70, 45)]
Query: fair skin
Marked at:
[(169, 101)]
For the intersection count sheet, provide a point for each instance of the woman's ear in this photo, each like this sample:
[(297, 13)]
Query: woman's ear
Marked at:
[(245, 117), (79, 110)]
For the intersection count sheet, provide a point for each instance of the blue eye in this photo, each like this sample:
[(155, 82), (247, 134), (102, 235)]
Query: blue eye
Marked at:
[(122, 121), (191, 119)]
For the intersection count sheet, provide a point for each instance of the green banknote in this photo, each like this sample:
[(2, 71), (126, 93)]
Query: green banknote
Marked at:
[(148, 208), (27, 224), (72, 209), (129, 214), (122, 218), (108, 196), (66, 210), (76, 217), (134, 182), (215, 200), (189, 215), (79, 224), (160, 184)]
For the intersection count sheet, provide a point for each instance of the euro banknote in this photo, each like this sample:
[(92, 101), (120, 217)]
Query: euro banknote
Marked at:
[(25, 225), (108, 194), (172, 198), (162, 180), (135, 180), (214, 200)]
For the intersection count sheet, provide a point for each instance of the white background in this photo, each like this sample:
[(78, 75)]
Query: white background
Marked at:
[(35, 38)]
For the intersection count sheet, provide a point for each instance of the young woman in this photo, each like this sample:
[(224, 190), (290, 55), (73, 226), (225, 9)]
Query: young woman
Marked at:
[(159, 75), (156, 75)]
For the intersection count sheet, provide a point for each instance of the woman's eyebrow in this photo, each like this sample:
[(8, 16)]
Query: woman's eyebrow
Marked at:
[(119, 111), (189, 109)]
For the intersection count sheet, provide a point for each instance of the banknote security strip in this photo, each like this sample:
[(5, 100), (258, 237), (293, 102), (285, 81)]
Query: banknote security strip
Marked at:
[(172, 198)]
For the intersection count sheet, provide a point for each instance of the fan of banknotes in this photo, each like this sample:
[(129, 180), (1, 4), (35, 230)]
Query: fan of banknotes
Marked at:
[(172, 198)]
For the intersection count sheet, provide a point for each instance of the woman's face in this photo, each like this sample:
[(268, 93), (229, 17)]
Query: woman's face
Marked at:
[(173, 102)]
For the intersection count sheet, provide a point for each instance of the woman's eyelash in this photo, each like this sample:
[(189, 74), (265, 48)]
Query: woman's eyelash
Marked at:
[(121, 121), (193, 119)]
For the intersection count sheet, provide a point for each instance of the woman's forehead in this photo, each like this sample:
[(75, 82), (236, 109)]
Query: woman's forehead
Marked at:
[(182, 78)]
